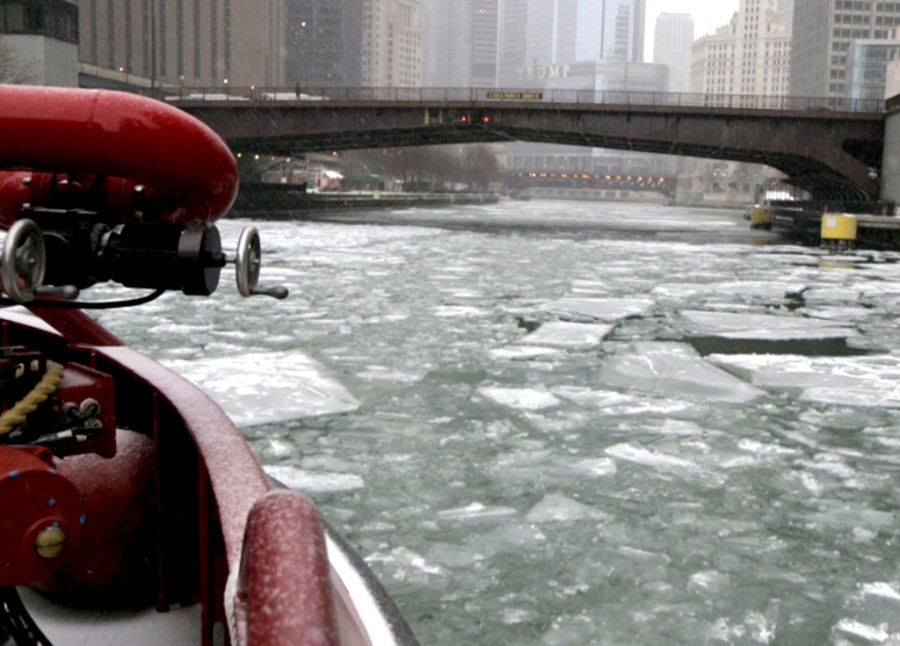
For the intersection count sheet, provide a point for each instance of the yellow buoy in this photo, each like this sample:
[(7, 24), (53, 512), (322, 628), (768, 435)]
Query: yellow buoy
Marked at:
[(760, 218), (839, 226)]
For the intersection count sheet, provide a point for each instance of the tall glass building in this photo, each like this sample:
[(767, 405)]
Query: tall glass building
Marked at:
[(564, 32), (823, 34), (672, 40), (867, 68), (460, 42)]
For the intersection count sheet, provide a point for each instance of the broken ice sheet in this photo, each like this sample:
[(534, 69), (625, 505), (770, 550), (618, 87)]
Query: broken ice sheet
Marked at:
[(634, 452), (850, 381), (602, 309), (522, 353), (756, 289), (562, 334), (770, 327), (673, 368), (476, 511), (520, 398), (267, 387), (555, 507), (306, 481)]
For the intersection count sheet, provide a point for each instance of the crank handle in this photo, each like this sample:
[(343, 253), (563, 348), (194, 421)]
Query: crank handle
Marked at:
[(248, 261)]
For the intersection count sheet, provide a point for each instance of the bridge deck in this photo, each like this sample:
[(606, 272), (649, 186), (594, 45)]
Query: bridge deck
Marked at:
[(831, 148)]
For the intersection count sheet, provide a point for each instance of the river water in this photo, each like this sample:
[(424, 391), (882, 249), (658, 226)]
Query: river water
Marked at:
[(575, 423)]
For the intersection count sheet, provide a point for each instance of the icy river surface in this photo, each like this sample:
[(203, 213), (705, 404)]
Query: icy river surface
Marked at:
[(575, 423)]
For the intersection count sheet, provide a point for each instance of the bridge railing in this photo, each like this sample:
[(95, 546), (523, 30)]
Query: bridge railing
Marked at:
[(524, 96)]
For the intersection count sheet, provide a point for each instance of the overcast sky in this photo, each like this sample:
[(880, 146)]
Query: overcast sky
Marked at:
[(708, 16)]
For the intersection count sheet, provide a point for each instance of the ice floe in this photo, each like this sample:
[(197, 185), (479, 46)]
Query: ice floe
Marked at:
[(263, 388), (520, 398), (406, 564), (476, 511), (308, 481), (668, 367), (770, 290), (602, 309), (849, 381), (883, 590), (457, 311), (522, 352), (870, 634), (563, 334), (556, 507), (633, 452), (832, 294), (745, 325)]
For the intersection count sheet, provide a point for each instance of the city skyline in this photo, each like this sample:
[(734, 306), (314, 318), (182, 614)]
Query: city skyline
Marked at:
[(707, 17)]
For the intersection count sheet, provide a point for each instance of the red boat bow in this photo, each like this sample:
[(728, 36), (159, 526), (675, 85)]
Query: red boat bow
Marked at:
[(123, 483)]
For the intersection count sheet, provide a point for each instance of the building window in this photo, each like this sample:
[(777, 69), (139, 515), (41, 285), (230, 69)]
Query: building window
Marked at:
[(52, 18)]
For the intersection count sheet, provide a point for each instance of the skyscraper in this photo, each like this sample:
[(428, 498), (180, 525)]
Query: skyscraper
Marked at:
[(512, 27), (672, 40), (867, 68), (460, 46), (542, 34), (391, 43), (750, 56), (174, 43), (823, 35), (563, 32), (324, 43)]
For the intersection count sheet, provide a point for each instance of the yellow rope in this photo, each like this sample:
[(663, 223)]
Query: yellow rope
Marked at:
[(15, 416)]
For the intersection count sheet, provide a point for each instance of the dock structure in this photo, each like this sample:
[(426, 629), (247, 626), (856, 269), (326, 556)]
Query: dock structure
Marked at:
[(875, 224)]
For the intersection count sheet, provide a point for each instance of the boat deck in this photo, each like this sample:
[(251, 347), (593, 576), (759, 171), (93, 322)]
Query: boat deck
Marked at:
[(65, 626)]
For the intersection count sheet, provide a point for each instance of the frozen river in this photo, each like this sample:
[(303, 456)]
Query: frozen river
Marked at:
[(566, 428)]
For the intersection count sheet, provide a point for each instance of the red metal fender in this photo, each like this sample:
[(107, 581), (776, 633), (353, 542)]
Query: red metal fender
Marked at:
[(104, 133), (275, 604)]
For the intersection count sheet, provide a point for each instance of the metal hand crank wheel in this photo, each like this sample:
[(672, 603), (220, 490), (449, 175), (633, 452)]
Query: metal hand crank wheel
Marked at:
[(24, 261), (248, 261)]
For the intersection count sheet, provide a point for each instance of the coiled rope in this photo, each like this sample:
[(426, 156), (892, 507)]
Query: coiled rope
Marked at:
[(16, 416)]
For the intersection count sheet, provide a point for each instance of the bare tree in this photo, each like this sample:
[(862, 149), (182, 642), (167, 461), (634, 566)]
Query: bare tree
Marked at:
[(430, 167), (481, 166), (12, 69)]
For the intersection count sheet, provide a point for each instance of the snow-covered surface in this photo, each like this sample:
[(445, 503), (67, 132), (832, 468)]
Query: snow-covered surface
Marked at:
[(261, 388)]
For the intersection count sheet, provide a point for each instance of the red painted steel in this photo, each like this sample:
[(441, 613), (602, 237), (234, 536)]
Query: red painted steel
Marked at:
[(13, 194), (102, 133), (113, 562), (35, 498), (278, 604)]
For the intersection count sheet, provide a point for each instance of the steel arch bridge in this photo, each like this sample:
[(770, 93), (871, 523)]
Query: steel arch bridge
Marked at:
[(830, 148)]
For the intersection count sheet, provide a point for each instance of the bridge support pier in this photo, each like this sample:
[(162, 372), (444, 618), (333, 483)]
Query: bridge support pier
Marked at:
[(890, 165)]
